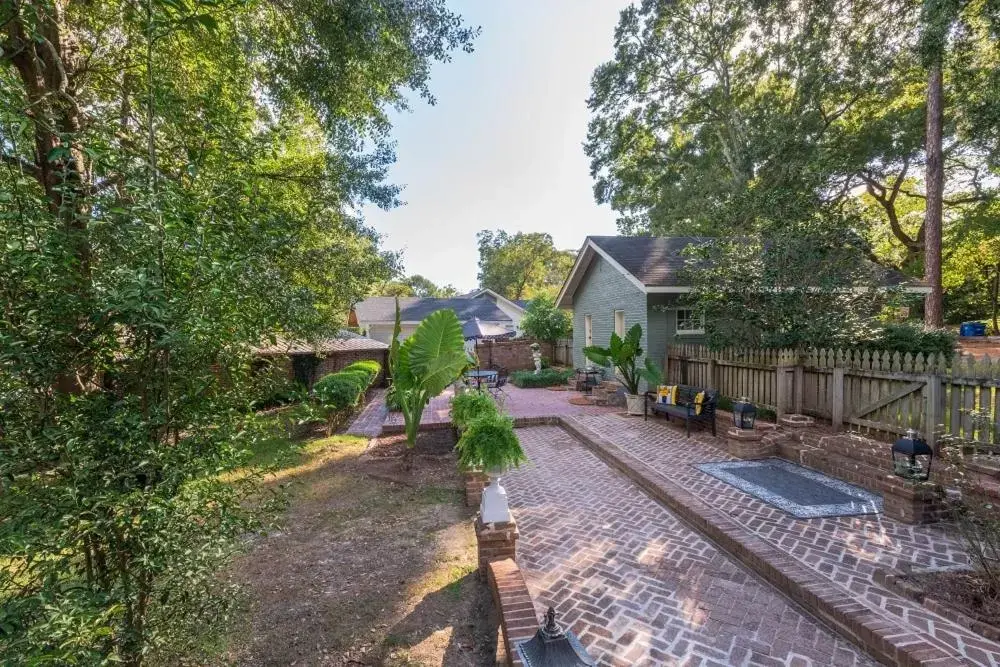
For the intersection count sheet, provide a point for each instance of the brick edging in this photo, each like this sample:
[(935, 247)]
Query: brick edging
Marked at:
[(514, 606), (887, 640)]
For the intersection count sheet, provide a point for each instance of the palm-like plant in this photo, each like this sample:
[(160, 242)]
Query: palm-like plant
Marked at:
[(425, 364), (621, 354)]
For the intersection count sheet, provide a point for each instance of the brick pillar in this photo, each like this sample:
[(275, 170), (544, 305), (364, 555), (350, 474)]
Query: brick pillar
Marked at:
[(796, 424), (495, 541), (475, 482), (748, 444)]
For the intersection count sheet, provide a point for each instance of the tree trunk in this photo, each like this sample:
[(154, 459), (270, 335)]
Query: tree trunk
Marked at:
[(933, 310), (995, 300)]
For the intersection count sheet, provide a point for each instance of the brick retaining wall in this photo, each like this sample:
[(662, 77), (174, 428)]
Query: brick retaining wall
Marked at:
[(514, 607)]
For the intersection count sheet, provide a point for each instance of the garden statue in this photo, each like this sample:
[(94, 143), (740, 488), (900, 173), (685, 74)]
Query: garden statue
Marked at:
[(536, 355)]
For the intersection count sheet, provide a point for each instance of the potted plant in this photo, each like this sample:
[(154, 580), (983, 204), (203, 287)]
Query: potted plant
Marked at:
[(489, 443), (622, 354)]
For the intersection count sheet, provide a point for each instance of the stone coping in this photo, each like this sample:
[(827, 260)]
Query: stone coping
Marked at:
[(884, 638)]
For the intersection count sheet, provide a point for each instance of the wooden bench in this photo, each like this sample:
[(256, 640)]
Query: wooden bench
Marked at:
[(685, 408)]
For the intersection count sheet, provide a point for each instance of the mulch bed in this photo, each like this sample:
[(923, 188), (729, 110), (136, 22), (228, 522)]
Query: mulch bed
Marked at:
[(965, 592), (580, 400), (439, 442)]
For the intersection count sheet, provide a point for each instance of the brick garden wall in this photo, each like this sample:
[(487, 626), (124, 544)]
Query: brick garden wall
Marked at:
[(514, 355)]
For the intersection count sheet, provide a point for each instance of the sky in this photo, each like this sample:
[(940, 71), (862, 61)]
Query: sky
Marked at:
[(503, 146)]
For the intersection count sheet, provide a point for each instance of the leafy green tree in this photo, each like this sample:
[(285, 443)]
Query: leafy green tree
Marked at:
[(521, 265), (722, 118), (546, 322), (416, 285), (800, 289), (176, 184)]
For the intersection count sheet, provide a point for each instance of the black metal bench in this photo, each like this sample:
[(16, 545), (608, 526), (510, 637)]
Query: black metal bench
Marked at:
[(685, 408)]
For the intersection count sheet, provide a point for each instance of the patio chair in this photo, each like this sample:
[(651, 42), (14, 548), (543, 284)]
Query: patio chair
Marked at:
[(496, 388)]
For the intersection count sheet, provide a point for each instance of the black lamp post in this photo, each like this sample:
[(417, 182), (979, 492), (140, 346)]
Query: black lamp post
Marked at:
[(553, 647), (744, 414), (905, 453)]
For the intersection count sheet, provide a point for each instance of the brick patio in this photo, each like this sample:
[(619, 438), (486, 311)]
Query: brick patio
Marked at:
[(638, 585), (847, 551), (523, 403)]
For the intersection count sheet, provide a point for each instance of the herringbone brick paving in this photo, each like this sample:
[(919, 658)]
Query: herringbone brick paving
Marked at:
[(638, 585), (847, 550)]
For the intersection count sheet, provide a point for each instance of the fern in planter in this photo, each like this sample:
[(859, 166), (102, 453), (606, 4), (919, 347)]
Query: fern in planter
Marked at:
[(469, 406), (489, 443)]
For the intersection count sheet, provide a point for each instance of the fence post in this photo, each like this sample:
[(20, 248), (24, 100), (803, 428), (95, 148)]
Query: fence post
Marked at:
[(713, 382), (784, 380), (799, 376), (837, 398), (934, 412)]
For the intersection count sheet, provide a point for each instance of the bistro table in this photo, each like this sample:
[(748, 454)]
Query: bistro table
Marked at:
[(480, 377)]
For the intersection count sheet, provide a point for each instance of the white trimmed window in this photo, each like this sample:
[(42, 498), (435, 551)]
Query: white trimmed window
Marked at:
[(588, 330), (690, 322), (620, 322)]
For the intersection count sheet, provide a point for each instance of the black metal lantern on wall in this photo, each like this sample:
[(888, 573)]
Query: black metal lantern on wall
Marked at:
[(911, 457), (744, 414), (553, 647)]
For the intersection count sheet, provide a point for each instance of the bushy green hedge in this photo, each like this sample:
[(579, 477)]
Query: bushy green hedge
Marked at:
[(910, 338), (470, 405), (343, 389), (548, 377), (489, 443)]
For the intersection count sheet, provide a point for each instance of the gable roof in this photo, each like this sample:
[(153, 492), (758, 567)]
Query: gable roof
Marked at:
[(654, 263), (414, 309)]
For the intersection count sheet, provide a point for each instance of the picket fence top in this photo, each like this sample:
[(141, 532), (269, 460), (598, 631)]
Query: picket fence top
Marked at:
[(955, 365)]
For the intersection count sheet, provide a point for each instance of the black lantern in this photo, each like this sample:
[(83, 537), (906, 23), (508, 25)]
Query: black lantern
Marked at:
[(911, 457), (744, 414), (553, 647)]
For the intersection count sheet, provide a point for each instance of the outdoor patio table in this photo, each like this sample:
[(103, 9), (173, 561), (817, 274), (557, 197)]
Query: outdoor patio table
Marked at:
[(479, 377)]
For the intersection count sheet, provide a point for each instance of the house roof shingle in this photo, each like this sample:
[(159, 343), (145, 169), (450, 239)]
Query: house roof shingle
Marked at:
[(658, 261), (415, 309), (344, 341)]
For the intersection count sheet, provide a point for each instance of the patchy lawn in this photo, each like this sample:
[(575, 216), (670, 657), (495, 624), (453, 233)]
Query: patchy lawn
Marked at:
[(365, 570)]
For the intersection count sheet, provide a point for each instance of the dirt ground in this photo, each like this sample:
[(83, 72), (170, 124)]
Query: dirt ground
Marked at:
[(372, 566), (966, 592)]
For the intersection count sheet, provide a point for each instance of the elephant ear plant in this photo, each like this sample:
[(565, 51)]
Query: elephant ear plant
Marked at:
[(622, 354), (424, 365)]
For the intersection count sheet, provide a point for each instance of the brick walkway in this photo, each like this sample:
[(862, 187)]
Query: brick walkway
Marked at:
[(845, 550), (516, 402), (639, 586), (369, 421)]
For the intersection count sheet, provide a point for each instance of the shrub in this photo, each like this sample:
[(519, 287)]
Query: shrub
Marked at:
[(910, 338), (370, 367), (469, 406), (548, 377), (489, 443)]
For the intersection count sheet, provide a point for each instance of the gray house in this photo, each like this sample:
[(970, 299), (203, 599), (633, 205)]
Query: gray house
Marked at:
[(619, 281)]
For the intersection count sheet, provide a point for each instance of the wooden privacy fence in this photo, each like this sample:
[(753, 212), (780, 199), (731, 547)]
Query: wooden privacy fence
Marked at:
[(881, 394), (562, 352)]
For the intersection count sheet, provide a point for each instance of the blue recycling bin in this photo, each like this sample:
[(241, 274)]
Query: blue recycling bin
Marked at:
[(972, 329)]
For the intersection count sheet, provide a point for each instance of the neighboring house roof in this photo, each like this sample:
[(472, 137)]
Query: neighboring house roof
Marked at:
[(654, 263), (414, 309), (344, 341)]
